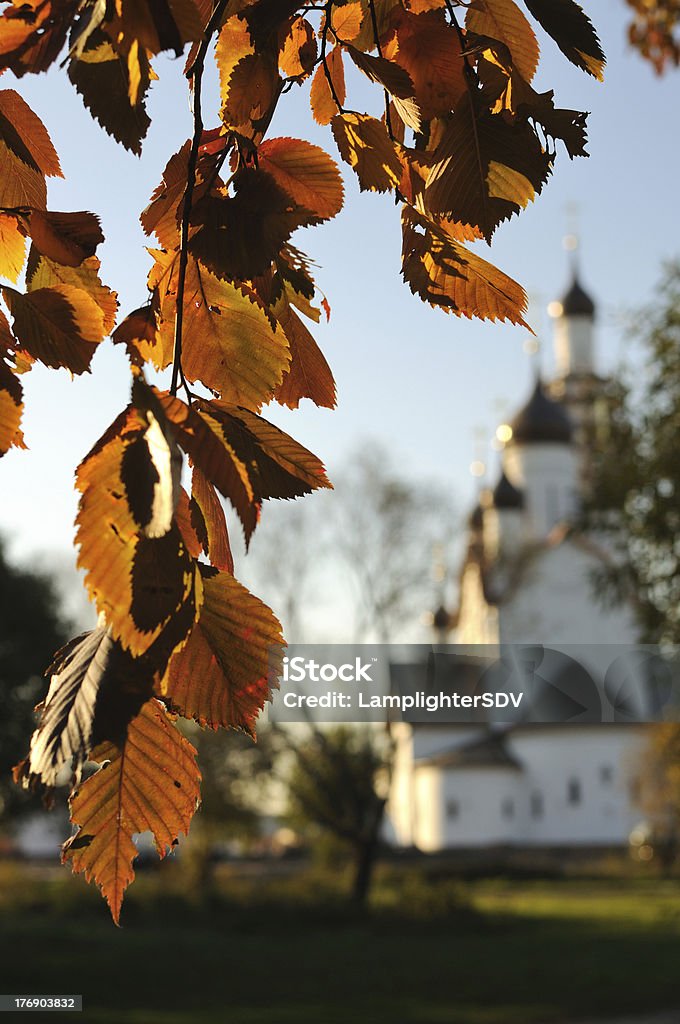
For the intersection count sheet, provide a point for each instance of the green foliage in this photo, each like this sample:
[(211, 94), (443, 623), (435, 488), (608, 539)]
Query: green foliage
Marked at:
[(31, 628)]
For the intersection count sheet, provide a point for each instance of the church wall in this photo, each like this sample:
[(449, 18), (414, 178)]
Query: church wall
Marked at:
[(555, 604), (548, 475), (474, 807), (577, 785)]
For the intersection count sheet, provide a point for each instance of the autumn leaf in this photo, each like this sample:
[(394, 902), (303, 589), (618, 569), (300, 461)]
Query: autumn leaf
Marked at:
[(42, 272), (102, 78), (140, 334), (485, 169), (306, 173), (137, 569), (215, 536), (573, 31), (445, 274), (230, 344), (309, 375), (364, 144), (503, 20), (26, 134), (430, 51), (66, 238), (347, 20), (297, 54), (60, 325), (225, 673), (323, 99), (12, 248), (11, 407), (160, 24), (96, 689), (148, 783)]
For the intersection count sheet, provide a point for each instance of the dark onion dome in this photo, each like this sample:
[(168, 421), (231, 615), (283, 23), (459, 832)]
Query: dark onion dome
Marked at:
[(441, 619), (506, 495), (541, 420), (476, 520), (577, 302)]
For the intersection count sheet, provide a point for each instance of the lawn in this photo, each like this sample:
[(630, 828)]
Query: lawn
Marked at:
[(264, 951)]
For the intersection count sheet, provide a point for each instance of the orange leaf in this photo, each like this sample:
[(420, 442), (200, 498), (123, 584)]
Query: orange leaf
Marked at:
[(42, 272), (11, 407), (151, 783), (309, 375), (323, 104), (429, 49), (306, 173), (12, 248), (225, 673), (347, 20), (216, 544), (30, 130), (60, 326), (298, 52)]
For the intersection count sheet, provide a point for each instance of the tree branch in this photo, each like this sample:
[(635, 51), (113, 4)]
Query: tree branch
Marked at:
[(195, 74)]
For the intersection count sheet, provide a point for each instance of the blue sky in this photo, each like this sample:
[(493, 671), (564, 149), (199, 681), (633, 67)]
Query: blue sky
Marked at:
[(412, 377)]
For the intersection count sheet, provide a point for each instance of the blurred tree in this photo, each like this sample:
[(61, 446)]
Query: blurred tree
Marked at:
[(338, 787), (655, 31), (635, 496), (31, 630), (364, 552), (658, 791)]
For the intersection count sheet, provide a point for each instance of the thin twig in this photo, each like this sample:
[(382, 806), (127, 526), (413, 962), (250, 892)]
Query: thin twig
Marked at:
[(324, 43), (376, 36), (195, 73)]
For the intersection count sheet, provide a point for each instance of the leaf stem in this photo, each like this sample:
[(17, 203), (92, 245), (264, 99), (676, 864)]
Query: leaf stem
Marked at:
[(195, 74), (376, 36)]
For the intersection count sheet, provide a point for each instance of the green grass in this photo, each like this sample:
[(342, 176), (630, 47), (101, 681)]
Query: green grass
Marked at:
[(291, 952)]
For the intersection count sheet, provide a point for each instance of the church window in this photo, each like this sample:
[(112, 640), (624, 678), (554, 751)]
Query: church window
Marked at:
[(508, 808), (574, 791), (606, 773), (452, 808), (536, 805)]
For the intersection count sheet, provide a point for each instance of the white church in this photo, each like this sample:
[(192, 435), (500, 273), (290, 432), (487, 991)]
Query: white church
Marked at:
[(526, 579)]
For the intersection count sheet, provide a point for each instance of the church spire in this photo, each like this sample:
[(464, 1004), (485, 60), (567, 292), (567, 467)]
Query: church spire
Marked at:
[(574, 318)]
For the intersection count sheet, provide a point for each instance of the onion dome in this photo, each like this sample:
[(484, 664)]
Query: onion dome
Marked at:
[(506, 495), (542, 420), (577, 302), (441, 619), (476, 520)]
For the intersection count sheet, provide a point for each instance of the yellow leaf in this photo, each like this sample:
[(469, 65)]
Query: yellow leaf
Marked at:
[(306, 172), (229, 343), (12, 248), (364, 144), (503, 20)]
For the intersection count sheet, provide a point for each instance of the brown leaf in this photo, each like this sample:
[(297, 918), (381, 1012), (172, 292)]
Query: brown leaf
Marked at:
[(461, 182), (102, 78), (60, 325), (573, 31), (66, 238), (306, 173), (364, 144), (445, 274), (142, 339), (347, 20), (429, 49), (322, 101), (225, 673), (150, 783)]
